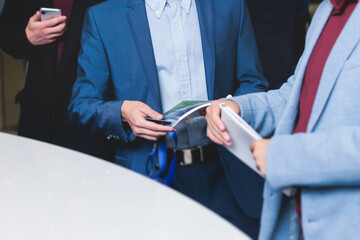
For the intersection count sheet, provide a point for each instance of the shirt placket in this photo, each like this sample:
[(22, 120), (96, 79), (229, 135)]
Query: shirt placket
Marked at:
[(180, 50)]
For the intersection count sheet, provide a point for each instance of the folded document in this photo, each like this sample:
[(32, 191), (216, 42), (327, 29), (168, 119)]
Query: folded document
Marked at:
[(188, 119)]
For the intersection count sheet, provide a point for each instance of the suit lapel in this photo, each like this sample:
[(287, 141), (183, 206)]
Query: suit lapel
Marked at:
[(286, 125), (342, 49), (141, 32), (205, 11)]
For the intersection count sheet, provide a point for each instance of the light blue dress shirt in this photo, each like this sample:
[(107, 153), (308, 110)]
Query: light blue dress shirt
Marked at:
[(176, 40)]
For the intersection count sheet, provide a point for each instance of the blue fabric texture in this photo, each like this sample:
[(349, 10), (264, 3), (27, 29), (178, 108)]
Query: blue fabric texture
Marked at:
[(117, 63)]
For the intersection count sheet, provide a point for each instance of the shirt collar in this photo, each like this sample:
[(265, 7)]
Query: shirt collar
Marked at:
[(185, 4), (158, 6)]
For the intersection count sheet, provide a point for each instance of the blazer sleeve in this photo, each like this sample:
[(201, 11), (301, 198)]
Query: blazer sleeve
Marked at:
[(263, 110), (13, 22), (248, 67), (91, 108), (324, 159)]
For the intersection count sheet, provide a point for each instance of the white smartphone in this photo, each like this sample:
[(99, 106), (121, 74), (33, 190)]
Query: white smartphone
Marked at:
[(49, 13)]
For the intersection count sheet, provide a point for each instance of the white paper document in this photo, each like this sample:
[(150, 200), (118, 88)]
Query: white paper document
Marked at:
[(242, 135)]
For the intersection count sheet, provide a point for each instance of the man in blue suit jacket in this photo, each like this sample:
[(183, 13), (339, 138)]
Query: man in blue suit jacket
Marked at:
[(138, 58), (315, 119)]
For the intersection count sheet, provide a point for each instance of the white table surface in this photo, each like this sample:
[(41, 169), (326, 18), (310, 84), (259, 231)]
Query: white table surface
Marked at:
[(49, 192)]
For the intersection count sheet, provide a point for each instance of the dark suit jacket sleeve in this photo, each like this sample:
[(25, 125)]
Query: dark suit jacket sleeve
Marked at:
[(248, 67), (13, 22), (91, 107)]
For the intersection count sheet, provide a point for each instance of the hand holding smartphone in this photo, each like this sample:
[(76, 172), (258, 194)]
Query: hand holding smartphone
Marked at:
[(45, 26), (49, 13)]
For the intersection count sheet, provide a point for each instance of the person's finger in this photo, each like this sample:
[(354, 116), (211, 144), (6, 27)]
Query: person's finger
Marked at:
[(54, 36), (258, 165), (155, 127), (56, 29), (151, 113), (252, 147), (222, 136), (54, 21), (214, 131), (35, 17), (216, 117), (210, 118), (225, 136), (215, 123), (216, 134), (138, 131), (150, 138), (213, 138)]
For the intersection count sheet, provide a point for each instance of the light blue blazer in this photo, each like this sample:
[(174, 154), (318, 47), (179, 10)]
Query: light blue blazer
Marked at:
[(324, 162)]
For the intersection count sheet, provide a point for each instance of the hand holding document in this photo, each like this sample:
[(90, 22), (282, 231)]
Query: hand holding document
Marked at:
[(242, 135), (188, 119)]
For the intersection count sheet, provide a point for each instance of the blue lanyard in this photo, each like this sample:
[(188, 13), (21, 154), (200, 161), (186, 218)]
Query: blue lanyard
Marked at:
[(157, 166)]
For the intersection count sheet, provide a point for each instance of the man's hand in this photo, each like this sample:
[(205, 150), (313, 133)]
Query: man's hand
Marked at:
[(42, 33), (216, 129), (259, 149), (134, 113)]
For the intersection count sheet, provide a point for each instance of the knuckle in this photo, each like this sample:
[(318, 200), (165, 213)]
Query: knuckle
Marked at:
[(137, 122), (136, 131), (208, 110), (43, 32)]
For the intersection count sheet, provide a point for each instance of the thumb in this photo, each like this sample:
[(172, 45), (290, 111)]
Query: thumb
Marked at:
[(36, 17)]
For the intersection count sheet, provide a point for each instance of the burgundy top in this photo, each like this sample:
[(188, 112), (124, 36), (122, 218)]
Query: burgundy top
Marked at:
[(65, 6), (336, 22)]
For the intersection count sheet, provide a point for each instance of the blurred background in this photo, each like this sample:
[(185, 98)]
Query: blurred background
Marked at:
[(12, 79)]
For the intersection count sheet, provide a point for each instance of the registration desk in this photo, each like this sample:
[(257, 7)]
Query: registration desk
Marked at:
[(49, 192)]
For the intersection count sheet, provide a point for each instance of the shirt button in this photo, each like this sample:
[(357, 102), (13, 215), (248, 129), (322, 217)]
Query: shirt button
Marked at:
[(187, 8), (176, 27), (185, 90), (157, 13), (181, 58)]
